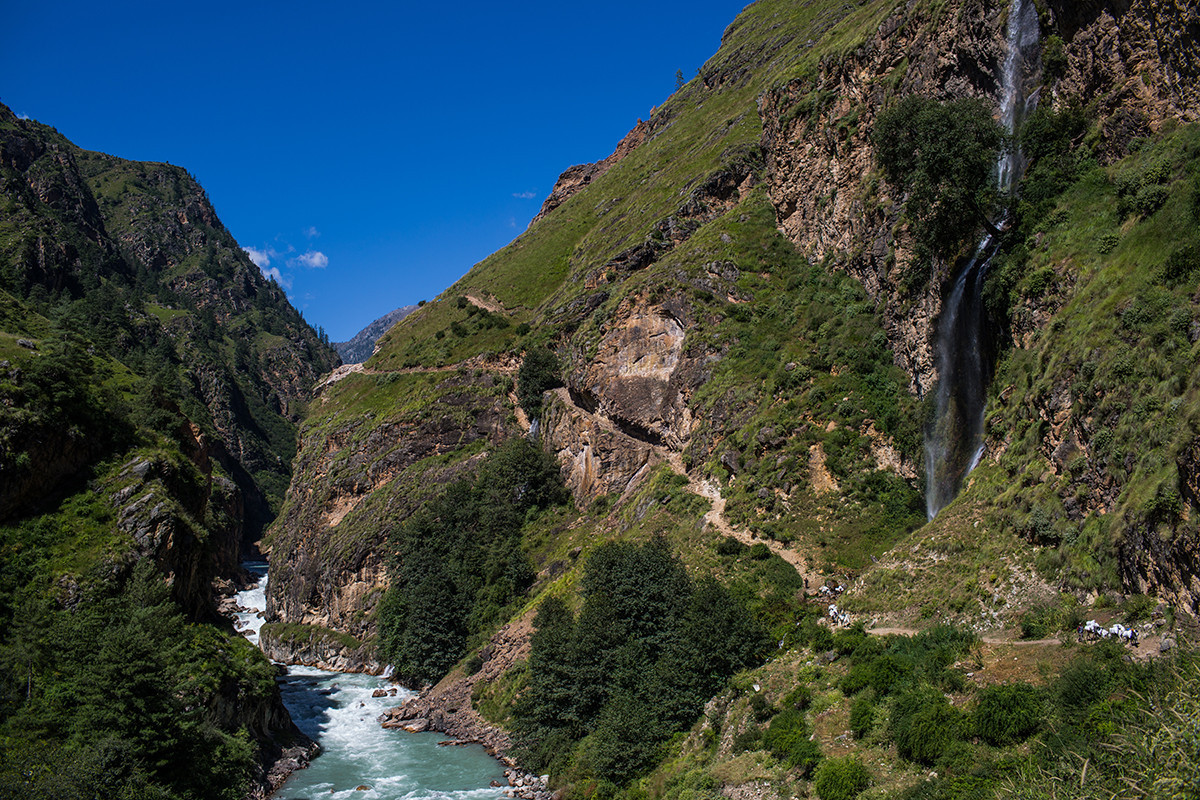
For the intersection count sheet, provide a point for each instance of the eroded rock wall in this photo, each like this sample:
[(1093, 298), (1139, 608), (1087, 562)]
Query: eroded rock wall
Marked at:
[(355, 479)]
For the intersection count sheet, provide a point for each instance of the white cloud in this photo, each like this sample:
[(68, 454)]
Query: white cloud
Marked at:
[(314, 259), (261, 258), (312, 232), (524, 195), (23, 116), (274, 274)]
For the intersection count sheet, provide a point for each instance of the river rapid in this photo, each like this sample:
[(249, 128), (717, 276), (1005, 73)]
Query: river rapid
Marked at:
[(359, 759)]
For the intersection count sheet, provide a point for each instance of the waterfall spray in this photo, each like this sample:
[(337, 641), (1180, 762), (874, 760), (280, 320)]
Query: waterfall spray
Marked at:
[(954, 441)]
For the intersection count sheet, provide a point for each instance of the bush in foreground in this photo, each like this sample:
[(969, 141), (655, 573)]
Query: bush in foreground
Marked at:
[(841, 778)]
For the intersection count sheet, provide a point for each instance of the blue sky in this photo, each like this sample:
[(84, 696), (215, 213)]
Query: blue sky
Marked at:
[(372, 152)]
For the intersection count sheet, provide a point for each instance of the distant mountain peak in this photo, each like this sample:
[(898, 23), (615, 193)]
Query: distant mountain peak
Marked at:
[(359, 348)]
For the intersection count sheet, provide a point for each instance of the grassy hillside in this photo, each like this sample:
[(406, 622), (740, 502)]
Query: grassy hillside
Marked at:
[(729, 407)]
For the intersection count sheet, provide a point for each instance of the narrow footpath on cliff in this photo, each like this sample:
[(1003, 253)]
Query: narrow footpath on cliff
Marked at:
[(702, 487)]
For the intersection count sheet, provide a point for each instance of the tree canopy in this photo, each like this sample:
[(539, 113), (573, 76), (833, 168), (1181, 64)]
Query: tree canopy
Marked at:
[(943, 155)]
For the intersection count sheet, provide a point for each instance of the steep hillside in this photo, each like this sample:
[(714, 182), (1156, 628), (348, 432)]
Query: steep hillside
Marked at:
[(150, 385), (725, 333)]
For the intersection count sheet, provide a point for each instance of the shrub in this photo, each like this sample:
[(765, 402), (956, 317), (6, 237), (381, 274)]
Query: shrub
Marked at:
[(862, 715), (1149, 199), (841, 778), (730, 546), (799, 698), (749, 739), (760, 552), (1181, 265), (924, 725), (761, 707), (787, 738), (883, 673), (1137, 607), (1081, 684), (1008, 713), (1054, 56), (822, 639)]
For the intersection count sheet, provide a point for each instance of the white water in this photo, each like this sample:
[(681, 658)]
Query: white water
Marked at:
[(1016, 101), (954, 443), (337, 711), (254, 600)]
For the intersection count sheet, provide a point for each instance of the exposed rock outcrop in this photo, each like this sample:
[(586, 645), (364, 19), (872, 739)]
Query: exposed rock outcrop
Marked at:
[(448, 707), (1137, 60), (314, 646), (579, 176), (639, 377), (596, 457), (820, 160), (355, 478)]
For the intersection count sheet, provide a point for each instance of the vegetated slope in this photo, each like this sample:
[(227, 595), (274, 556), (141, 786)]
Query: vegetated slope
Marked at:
[(361, 346), (150, 384), (735, 300), (676, 240)]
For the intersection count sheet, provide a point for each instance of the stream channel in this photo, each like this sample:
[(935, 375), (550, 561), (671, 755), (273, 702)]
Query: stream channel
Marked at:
[(359, 759)]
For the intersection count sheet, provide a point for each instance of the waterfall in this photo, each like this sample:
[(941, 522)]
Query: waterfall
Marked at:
[(954, 441)]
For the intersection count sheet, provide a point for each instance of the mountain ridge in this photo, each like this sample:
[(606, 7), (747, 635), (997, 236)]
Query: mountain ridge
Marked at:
[(152, 380), (360, 347)]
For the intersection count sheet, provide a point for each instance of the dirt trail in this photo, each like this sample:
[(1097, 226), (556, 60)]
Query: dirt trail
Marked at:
[(708, 490), (716, 517), (487, 305), (985, 639)]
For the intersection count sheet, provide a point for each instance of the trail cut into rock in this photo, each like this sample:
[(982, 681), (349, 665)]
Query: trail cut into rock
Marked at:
[(716, 517)]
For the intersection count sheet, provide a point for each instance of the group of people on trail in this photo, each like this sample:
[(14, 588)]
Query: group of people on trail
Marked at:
[(1093, 631), (836, 617)]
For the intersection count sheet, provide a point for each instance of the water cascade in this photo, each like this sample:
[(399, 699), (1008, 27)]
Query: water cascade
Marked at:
[(359, 759), (954, 441)]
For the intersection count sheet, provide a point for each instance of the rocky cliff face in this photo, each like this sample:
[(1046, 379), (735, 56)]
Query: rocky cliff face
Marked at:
[(820, 158), (357, 474), (1138, 61), (817, 130)]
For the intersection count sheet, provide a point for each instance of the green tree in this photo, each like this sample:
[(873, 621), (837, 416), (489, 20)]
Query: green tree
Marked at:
[(537, 374), (648, 650), (943, 155), (459, 562)]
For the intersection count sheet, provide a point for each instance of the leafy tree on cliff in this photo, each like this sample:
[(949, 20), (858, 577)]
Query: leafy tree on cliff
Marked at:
[(538, 373), (943, 155)]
